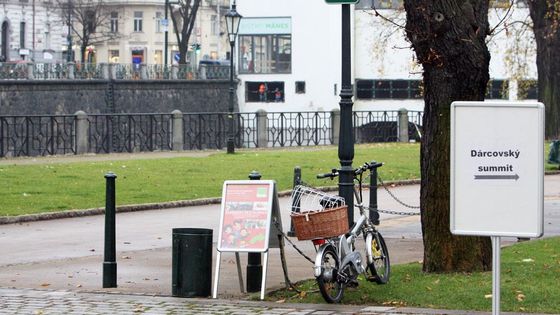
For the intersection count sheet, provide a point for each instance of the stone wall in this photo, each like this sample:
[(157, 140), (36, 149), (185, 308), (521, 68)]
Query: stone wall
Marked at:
[(59, 97)]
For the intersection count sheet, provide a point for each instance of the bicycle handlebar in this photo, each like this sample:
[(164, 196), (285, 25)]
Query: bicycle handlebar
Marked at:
[(331, 175), (357, 171)]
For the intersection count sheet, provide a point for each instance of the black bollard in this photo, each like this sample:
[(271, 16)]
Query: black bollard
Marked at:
[(109, 261), (254, 264), (373, 214), (295, 200)]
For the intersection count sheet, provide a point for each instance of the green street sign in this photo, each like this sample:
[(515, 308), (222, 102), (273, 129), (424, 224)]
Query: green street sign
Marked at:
[(342, 1)]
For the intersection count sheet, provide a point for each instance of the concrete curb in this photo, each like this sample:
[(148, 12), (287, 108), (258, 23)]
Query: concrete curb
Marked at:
[(152, 206)]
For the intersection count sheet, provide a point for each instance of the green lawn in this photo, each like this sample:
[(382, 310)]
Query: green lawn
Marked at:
[(529, 274), (43, 187), (51, 186)]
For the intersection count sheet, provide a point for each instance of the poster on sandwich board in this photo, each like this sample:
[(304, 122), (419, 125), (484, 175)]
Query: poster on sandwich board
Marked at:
[(248, 207)]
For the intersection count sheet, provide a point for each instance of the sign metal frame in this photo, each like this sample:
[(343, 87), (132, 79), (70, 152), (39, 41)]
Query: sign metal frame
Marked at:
[(506, 138)]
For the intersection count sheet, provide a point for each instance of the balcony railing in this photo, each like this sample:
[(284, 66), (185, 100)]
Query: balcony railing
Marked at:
[(100, 71)]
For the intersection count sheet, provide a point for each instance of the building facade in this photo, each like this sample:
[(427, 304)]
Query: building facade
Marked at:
[(37, 30), (384, 71), (141, 26), (31, 31)]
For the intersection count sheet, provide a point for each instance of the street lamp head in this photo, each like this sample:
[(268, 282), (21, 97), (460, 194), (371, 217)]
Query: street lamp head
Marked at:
[(233, 18)]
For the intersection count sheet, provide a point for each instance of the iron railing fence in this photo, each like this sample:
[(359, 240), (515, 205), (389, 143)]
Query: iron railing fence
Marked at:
[(37, 135), (299, 129), (98, 71), (383, 126), (50, 71), (107, 133), (13, 71), (210, 130), (129, 132)]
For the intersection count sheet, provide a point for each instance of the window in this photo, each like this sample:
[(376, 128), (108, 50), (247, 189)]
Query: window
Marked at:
[(497, 89), (138, 15), (114, 56), (388, 89), (22, 35), (300, 87), (265, 53), (527, 90), (91, 21), (159, 26), (215, 25), (114, 20), (265, 92)]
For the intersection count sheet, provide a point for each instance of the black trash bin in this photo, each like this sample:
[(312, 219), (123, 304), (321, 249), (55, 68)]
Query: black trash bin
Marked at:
[(192, 262)]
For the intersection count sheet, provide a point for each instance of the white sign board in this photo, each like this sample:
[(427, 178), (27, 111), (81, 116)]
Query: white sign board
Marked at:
[(497, 170)]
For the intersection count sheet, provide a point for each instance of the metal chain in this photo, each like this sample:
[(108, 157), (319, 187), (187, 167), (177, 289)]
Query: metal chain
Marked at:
[(394, 212), (291, 243), (395, 197)]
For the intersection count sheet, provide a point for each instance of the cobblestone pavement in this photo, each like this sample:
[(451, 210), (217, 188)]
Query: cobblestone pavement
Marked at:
[(43, 302)]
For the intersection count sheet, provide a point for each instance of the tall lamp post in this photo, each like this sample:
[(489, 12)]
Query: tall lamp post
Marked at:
[(165, 30), (70, 52), (233, 18)]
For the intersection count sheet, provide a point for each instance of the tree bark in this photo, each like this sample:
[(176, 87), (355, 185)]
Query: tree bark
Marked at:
[(546, 23), (448, 37)]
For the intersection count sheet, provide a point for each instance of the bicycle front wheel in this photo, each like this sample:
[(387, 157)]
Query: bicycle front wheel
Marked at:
[(331, 290), (378, 264)]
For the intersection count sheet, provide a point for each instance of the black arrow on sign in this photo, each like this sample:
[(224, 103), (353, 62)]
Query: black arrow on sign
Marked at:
[(516, 177)]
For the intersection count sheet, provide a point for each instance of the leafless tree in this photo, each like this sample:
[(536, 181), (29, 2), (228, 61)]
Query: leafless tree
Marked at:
[(89, 21), (183, 15)]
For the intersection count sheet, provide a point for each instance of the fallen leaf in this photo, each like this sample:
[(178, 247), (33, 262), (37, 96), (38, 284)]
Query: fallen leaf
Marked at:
[(488, 296), (528, 260), (302, 294), (520, 297), (125, 257), (436, 282), (79, 286), (281, 301), (45, 284), (428, 289)]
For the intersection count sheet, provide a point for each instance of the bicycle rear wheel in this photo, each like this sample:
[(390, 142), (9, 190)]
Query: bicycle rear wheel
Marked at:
[(378, 265), (331, 290)]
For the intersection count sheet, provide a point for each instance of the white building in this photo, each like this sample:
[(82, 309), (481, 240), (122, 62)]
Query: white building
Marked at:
[(385, 74), (30, 31)]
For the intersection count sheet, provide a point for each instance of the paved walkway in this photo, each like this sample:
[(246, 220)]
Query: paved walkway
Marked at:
[(55, 266)]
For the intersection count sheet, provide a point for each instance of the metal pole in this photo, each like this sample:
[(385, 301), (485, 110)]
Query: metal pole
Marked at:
[(230, 142), (254, 264), (295, 199), (70, 53), (495, 275), (346, 143), (166, 38), (109, 261), (373, 214)]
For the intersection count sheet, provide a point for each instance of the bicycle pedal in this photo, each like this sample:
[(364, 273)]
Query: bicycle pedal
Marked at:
[(353, 284)]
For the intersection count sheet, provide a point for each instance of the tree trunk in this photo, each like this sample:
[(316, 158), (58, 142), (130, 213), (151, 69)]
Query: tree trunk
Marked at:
[(546, 18), (448, 39)]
